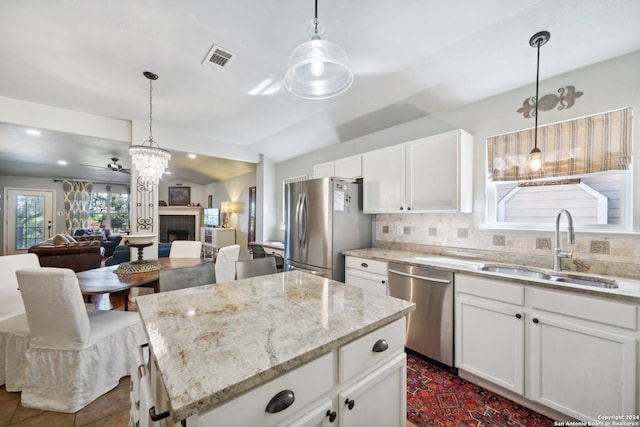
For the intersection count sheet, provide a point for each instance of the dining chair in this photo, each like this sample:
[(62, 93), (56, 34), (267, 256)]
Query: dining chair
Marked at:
[(257, 251), (255, 267), (73, 356), (226, 263), (185, 249)]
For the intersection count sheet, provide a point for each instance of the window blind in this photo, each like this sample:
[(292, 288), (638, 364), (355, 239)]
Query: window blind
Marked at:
[(597, 143)]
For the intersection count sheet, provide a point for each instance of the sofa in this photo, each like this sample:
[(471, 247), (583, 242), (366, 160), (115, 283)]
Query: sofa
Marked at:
[(78, 256), (109, 241), (122, 254)]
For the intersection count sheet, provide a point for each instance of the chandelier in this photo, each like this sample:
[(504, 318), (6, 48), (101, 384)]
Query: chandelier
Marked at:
[(317, 69), (150, 162)]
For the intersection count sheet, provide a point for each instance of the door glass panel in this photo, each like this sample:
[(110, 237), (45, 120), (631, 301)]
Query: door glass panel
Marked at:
[(30, 221)]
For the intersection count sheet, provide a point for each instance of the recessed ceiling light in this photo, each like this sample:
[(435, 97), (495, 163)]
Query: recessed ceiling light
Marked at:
[(192, 156), (33, 132), (62, 162)]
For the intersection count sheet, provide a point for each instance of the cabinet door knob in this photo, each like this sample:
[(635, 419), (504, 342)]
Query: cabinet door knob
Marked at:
[(518, 316), (280, 401), (332, 415), (380, 346), (535, 320), (401, 208), (364, 265), (384, 282), (408, 208), (350, 403)]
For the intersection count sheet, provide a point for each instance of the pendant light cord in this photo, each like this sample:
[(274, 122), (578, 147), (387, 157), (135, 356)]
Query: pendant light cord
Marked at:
[(151, 112), (316, 15), (535, 136)]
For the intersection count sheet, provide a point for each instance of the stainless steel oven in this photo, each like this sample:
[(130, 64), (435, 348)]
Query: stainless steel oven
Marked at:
[(430, 326)]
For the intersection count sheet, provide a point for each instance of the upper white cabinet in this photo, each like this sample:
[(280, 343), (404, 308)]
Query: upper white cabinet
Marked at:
[(431, 174), (349, 167)]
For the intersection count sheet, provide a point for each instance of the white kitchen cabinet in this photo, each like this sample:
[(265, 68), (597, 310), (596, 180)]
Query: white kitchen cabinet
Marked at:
[(431, 174), (383, 177), (323, 170), (348, 167), (370, 370), (367, 274), (379, 399), (494, 353), (578, 366), (215, 238), (580, 353)]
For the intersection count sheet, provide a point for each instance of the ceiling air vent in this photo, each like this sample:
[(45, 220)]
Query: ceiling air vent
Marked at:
[(218, 58)]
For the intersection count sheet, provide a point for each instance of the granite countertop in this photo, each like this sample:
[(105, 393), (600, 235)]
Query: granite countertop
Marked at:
[(628, 289), (214, 342)]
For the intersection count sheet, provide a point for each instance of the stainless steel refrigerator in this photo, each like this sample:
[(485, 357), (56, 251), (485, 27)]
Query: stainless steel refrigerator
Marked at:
[(324, 218)]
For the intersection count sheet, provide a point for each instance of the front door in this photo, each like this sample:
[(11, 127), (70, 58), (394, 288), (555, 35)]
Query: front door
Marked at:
[(29, 218)]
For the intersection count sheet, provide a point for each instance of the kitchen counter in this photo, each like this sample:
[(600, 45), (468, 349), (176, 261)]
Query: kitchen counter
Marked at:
[(628, 289), (214, 342)]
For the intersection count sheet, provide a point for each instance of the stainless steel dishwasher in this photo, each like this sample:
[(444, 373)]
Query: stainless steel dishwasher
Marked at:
[(430, 326)]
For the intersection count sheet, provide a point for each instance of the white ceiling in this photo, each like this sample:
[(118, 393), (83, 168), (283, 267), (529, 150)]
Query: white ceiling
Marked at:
[(411, 58)]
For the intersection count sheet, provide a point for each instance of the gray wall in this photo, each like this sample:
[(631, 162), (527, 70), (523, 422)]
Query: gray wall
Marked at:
[(607, 86)]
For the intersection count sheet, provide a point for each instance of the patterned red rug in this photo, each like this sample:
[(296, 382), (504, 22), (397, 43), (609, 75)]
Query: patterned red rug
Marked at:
[(439, 399)]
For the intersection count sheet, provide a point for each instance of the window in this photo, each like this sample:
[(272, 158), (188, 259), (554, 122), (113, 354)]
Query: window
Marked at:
[(587, 170), (110, 209)]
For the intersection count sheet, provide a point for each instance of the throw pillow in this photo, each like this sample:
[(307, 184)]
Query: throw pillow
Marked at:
[(59, 239), (69, 238)]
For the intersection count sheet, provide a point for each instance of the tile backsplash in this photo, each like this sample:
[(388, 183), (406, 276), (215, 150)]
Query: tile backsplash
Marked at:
[(461, 235)]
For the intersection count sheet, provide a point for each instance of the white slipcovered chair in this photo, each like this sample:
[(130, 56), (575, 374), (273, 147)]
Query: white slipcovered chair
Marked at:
[(185, 249), (73, 357), (226, 263), (14, 330)]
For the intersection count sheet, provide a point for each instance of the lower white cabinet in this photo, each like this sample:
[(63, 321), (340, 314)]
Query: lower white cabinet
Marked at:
[(380, 399), (367, 274), (362, 383), (578, 366), (574, 353)]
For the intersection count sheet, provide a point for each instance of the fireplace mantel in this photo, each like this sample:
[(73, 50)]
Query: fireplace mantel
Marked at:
[(195, 211)]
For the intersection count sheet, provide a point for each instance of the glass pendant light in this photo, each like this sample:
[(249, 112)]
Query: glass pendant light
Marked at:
[(535, 156), (317, 69), (150, 162)]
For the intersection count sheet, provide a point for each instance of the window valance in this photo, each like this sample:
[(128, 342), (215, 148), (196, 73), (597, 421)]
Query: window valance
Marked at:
[(597, 143)]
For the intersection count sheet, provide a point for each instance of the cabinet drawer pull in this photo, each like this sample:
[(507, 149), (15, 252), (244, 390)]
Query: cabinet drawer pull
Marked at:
[(535, 320), (350, 403), (380, 346), (518, 316), (157, 417), (364, 265), (332, 415), (280, 401)]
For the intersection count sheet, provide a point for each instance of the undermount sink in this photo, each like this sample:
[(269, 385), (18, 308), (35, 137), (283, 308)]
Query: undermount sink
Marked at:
[(516, 271), (598, 283)]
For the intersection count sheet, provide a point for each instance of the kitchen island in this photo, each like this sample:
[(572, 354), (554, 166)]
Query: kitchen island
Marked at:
[(222, 353)]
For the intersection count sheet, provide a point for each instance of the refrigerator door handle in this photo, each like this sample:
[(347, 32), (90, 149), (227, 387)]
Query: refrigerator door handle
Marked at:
[(299, 219), (303, 221)]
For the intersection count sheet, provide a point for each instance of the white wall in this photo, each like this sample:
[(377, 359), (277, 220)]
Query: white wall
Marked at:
[(607, 86), (236, 190)]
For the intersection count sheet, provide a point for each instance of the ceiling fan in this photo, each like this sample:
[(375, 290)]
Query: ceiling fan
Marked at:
[(114, 166)]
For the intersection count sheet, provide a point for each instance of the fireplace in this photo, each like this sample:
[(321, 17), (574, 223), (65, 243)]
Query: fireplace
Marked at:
[(180, 223), (178, 235)]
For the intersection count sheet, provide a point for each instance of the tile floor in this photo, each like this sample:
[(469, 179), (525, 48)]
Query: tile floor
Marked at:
[(111, 409)]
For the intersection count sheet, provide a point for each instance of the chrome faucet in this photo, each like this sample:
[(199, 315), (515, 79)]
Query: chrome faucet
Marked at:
[(571, 238)]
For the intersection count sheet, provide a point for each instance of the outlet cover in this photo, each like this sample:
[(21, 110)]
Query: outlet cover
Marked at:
[(433, 231), (399, 230), (407, 230), (385, 229)]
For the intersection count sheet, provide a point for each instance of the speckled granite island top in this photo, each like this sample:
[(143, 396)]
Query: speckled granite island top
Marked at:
[(214, 342)]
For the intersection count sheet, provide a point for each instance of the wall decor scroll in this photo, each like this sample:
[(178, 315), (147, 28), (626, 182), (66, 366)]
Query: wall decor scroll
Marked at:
[(565, 99)]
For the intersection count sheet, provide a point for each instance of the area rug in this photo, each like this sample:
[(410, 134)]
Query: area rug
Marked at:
[(439, 399)]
